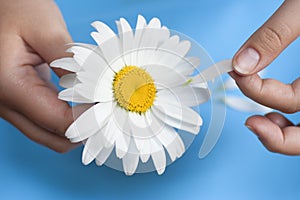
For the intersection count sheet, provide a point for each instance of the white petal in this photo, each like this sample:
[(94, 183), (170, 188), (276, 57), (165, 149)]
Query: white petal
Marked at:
[(109, 133), (213, 71), (92, 148), (87, 90), (174, 146), (80, 53), (103, 155), (144, 153), (149, 38), (72, 96), (139, 125), (181, 117), (230, 84), (109, 44), (141, 133), (101, 91), (165, 77), (169, 138), (122, 144), (104, 30), (119, 29), (158, 157), (122, 132), (187, 65), (93, 48), (68, 80), (141, 22), (246, 105), (163, 35), (186, 95), (127, 39), (152, 37), (93, 69), (89, 122), (131, 159), (117, 132), (104, 90), (66, 63), (178, 111), (139, 30), (177, 123), (111, 51), (172, 52), (149, 42), (95, 64)]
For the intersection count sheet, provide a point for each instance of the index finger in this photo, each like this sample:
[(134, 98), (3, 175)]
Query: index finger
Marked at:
[(269, 40)]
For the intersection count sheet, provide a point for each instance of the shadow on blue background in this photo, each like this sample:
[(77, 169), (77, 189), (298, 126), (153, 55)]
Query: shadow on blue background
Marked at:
[(238, 168)]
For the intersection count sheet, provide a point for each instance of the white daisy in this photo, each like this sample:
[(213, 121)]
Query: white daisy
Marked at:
[(141, 86)]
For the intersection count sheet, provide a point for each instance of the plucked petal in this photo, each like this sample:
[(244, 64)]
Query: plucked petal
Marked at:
[(246, 105), (230, 84), (213, 71)]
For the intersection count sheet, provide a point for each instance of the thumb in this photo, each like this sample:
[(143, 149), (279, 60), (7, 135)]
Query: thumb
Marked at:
[(269, 40)]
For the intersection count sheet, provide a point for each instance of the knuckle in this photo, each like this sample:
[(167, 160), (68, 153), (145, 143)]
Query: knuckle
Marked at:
[(271, 40)]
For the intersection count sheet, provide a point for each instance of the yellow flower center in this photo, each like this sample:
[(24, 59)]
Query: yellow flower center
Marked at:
[(134, 89)]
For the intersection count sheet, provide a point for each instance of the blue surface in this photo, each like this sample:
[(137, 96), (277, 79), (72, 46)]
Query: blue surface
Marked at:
[(238, 168)]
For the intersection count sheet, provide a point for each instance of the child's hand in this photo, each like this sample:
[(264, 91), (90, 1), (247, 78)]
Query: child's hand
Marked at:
[(276, 132), (33, 32)]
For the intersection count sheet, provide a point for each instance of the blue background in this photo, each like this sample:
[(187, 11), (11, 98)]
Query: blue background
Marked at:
[(238, 167)]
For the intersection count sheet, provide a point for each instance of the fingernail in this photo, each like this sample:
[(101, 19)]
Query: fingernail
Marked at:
[(247, 61), (250, 128)]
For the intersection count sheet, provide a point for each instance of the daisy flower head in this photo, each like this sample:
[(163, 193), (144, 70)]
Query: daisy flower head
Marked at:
[(141, 87)]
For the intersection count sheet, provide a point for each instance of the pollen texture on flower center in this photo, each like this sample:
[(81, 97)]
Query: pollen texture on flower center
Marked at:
[(134, 89)]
